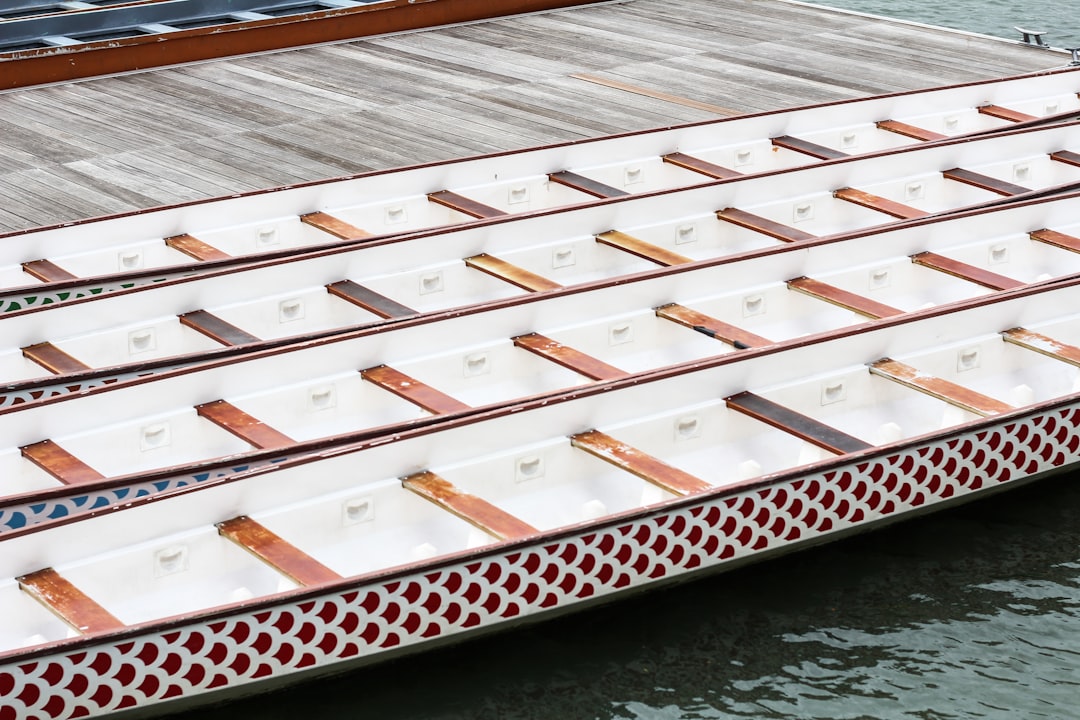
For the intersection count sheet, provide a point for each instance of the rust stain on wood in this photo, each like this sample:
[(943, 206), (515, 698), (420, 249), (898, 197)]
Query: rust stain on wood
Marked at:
[(215, 328), (59, 463), (47, 271), (568, 357), (773, 229), (464, 205), (476, 511), (53, 358), (940, 388), (280, 554), (249, 429), (195, 248), (411, 389), (876, 202), (911, 131), (68, 602), (369, 299), (963, 270), (1043, 344), (641, 248), (704, 167), (334, 226), (815, 150), (643, 465), (1005, 113), (711, 326), (511, 273), (848, 300), (985, 182)]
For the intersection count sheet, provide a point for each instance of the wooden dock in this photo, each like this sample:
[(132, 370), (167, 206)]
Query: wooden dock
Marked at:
[(161, 137)]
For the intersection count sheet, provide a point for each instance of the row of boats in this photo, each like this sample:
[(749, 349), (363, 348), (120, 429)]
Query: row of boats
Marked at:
[(274, 435)]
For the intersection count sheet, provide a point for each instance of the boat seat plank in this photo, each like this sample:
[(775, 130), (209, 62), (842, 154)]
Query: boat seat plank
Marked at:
[(1057, 239), (773, 229), (940, 388), (68, 602), (464, 205), (641, 248), (250, 429), (1005, 113), (1066, 156), (476, 511), (881, 204), (275, 551), (641, 464), (214, 327), (985, 182), (806, 147), (53, 358), (511, 273), (59, 463), (568, 357), (411, 389), (586, 185), (195, 248), (47, 271), (837, 296), (335, 226), (811, 430), (966, 271), (1043, 344), (713, 327), (368, 299), (911, 131), (704, 167)]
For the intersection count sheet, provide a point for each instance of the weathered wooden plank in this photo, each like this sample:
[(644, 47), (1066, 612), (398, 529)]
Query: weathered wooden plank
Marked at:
[(476, 511), (689, 162), (1005, 113), (411, 389), (368, 299), (196, 248), (214, 327), (985, 182), (966, 271), (1057, 239), (713, 327), (47, 271), (813, 149), (68, 602), (1043, 344), (464, 205), (249, 429), (53, 358), (881, 204), (334, 226), (59, 463), (1066, 156), (843, 298), (568, 357), (911, 131), (586, 185), (939, 388), (795, 423), (765, 226), (280, 554), (642, 249), (643, 465), (511, 273), (659, 95)]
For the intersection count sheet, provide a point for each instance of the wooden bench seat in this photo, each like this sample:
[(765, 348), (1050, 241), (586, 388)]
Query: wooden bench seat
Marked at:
[(704, 167), (642, 249), (713, 327), (195, 248), (939, 388), (801, 426), (965, 271), (476, 511), (641, 464), (464, 205), (411, 389), (53, 358), (773, 229), (1066, 156), (47, 271), (911, 131), (876, 202), (217, 329), (335, 226), (249, 429), (985, 182), (369, 300), (848, 300), (821, 152), (59, 463), (276, 552), (1057, 239), (586, 185), (1043, 344), (511, 273), (1005, 113), (568, 357), (68, 602)]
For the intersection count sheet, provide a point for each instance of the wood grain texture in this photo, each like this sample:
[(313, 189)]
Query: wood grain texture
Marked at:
[(940, 388), (476, 511), (68, 602), (568, 357), (711, 326), (640, 248), (59, 463), (283, 556), (53, 358), (843, 298), (511, 273), (765, 226), (966, 271), (881, 204), (641, 464), (411, 389), (249, 429)]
